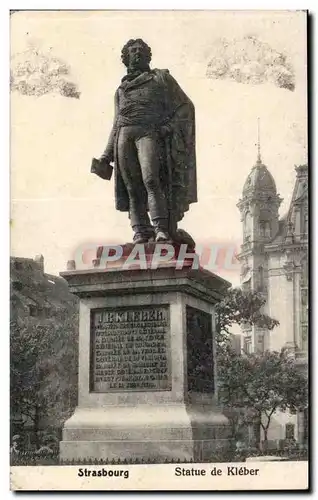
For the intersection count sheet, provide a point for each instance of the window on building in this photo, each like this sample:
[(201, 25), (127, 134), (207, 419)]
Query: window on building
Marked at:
[(236, 343), (305, 425), (33, 311), (247, 345), (304, 306), (261, 277), (260, 343), (290, 431), (304, 318), (265, 230), (39, 312), (247, 226), (262, 229), (304, 221)]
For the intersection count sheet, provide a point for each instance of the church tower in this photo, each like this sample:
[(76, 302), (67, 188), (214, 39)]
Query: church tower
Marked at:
[(274, 263), (260, 219)]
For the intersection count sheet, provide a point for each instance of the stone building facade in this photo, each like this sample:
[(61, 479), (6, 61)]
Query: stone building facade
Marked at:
[(274, 262)]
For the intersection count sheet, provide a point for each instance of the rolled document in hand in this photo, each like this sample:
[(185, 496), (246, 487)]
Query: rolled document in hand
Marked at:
[(102, 168)]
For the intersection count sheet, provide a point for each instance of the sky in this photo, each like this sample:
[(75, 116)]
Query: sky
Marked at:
[(57, 206)]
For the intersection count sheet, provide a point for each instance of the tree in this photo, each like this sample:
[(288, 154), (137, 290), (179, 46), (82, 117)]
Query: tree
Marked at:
[(262, 384), (43, 371), (276, 384), (239, 307), (232, 375), (28, 368)]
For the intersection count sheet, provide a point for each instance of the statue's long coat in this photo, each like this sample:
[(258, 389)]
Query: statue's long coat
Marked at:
[(178, 148)]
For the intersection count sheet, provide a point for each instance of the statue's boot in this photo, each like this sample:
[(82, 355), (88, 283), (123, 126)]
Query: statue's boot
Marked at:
[(162, 236), (143, 234), (140, 238), (161, 229)]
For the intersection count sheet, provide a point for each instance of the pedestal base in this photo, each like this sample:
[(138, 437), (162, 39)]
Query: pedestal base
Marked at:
[(147, 367), (148, 433)]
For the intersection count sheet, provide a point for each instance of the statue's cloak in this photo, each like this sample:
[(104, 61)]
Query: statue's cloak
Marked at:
[(177, 149)]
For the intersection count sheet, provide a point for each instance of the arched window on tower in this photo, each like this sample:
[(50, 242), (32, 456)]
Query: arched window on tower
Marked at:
[(264, 224), (265, 229), (262, 229), (268, 231)]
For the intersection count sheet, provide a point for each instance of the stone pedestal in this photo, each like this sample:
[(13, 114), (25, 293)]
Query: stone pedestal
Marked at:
[(147, 373)]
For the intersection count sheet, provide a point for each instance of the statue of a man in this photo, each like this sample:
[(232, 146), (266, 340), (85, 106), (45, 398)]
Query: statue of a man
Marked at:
[(152, 144)]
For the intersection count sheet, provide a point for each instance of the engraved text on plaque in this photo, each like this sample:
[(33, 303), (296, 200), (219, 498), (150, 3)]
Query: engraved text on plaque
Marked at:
[(129, 349)]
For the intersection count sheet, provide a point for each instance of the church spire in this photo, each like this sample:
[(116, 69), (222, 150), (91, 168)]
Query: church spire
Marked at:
[(259, 159)]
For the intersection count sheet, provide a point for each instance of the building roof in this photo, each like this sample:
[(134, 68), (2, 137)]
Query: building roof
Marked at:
[(259, 179), (31, 286)]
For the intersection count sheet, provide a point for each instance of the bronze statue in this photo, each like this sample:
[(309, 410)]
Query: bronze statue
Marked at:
[(152, 144)]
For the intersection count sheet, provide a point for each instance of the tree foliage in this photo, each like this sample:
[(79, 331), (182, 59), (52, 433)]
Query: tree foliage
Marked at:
[(257, 385), (252, 387), (240, 307), (28, 369), (43, 371)]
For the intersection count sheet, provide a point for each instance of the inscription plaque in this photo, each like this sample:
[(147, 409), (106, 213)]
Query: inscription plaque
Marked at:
[(129, 349), (200, 365)]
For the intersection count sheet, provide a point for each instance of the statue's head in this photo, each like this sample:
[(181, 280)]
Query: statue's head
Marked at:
[(136, 54)]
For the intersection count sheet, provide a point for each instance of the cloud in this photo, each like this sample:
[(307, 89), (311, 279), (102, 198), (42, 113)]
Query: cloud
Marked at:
[(34, 73), (249, 60)]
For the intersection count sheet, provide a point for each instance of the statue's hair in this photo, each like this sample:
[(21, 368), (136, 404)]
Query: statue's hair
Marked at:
[(125, 54)]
